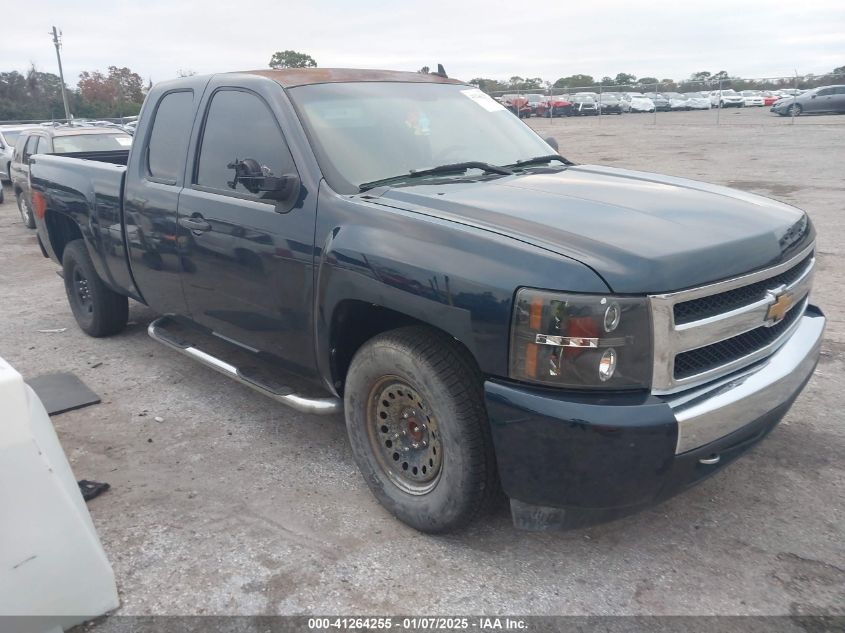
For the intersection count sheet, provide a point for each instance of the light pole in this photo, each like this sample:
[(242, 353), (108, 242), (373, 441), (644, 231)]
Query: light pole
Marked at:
[(58, 45)]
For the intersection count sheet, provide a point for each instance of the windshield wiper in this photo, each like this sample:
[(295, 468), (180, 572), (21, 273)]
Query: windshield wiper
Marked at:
[(452, 168), (539, 160)]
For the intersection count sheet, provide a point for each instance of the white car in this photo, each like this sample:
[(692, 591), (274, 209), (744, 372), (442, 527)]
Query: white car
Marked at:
[(639, 103), (752, 98), (726, 98), (698, 100), (8, 138)]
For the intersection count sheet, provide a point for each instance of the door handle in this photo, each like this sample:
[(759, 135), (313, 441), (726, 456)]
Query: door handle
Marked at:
[(195, 223)]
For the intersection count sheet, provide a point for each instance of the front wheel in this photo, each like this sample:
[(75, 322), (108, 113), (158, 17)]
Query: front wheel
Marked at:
[(25, 210), (99, 311), (794, 110), (418, 428)]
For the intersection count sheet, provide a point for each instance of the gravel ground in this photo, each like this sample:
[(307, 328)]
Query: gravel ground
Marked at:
[(236, 505)]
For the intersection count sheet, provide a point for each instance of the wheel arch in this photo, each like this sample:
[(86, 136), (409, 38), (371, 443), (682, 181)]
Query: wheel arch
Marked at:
[(354, 322), (61, 230)]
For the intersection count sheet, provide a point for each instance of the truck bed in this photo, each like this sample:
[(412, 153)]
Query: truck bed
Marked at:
[(88, 188)]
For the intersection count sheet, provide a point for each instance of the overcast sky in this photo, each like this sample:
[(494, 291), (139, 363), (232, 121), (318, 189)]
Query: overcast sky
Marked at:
[(471, 38)]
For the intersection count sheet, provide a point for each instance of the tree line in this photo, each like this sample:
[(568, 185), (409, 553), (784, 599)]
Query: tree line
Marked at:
[(702, 80), (119, 92), (35, 94)]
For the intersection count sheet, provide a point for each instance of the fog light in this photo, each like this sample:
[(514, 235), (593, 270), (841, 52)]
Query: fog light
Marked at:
[(607, 364), (611, 317)]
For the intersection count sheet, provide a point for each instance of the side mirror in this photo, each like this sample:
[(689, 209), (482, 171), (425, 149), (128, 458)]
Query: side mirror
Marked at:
[(553, 142), (813, 96), (249, 173)]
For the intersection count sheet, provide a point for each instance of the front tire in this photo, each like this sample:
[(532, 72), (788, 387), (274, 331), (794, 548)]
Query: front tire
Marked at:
[(25, 210), (794, 108), (99, 311), (418, 428)]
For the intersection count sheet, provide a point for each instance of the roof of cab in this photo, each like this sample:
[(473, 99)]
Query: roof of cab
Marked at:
[(292, 77)]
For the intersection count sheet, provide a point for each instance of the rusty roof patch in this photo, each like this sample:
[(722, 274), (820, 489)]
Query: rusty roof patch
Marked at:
[(292, 77)]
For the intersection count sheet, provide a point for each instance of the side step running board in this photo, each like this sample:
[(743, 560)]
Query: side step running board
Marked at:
[(320, 406)]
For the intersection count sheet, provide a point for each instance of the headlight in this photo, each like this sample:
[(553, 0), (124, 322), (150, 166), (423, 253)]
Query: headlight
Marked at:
[(581, 341)]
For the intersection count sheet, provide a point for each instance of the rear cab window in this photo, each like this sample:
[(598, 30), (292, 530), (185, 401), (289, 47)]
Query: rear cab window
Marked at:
[(168, 140)]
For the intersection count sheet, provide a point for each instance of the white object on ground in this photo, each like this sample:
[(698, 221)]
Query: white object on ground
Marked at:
[(52, 564)]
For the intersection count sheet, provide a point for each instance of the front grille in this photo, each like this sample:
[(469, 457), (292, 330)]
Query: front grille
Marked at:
[(701, 334), (713, 305), (709, 357)]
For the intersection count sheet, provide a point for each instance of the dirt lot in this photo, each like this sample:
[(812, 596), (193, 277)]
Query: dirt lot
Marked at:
[(234, 504)]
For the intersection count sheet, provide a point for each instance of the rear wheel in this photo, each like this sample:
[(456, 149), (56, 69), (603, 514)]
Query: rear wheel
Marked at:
[(25, 210), (98, 309), (418, 428)]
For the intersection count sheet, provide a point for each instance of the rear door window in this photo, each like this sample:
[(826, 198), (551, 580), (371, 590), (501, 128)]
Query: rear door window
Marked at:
[(168, 144)]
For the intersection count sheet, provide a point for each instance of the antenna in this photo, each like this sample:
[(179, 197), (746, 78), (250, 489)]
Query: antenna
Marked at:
[(57, 42)]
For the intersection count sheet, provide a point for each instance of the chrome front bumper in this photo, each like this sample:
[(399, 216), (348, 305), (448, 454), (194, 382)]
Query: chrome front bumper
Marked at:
[(707, 413)]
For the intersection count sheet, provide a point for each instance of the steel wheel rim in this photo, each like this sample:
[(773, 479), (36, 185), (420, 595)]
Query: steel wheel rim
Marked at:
[(404, 436), (82, 292)]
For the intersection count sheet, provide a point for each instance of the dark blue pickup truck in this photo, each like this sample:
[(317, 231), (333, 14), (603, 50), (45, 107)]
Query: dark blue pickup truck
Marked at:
[(488, 315)]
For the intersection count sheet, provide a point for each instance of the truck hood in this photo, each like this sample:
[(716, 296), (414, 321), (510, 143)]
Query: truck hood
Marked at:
[(641, 232)]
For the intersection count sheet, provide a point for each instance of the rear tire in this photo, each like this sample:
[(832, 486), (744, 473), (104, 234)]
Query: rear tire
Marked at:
[(25, 210), (419, 430), (98, 309)]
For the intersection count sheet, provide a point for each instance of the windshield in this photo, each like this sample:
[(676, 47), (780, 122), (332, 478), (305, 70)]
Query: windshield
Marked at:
[(90, 143), (367, 131), (11, 136), (729, 91)]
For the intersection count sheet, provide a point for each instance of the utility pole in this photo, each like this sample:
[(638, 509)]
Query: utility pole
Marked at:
[(58, 45)]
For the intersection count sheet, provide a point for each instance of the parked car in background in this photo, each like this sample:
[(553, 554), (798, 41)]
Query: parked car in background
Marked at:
[(827, 99), (769, 98), (641, 103), (661, 103), (68, 140), (584, 105), (534, 101), (8, 138), (517, 104), (698, 100), (753, 98), (555, 106), (726, 98), (610, 103), (677, 101)]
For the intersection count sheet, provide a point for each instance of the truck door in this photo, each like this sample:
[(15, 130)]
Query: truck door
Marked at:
[(154, 179), (249, 261)]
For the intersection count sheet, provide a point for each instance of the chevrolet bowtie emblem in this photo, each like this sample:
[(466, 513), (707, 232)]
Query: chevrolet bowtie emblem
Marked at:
[(779, 308)]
